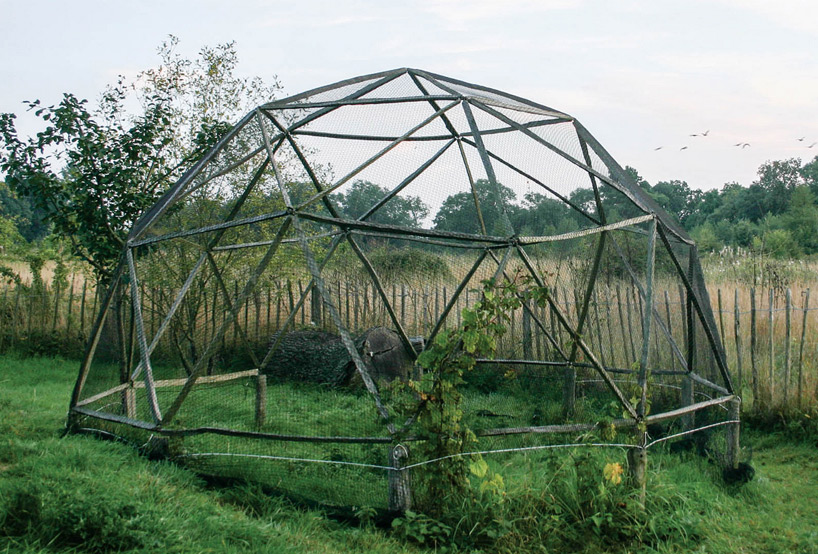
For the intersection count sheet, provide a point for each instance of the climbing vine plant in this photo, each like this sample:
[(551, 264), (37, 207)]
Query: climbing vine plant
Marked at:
[(437, 393)]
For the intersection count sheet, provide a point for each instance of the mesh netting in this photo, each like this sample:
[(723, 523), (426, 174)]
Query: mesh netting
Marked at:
[(267, 305)]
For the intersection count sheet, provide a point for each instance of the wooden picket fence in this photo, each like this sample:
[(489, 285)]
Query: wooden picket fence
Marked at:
[(769, 334)]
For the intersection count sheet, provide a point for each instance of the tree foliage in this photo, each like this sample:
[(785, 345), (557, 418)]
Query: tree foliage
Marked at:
[(93, 171), (407, 211)]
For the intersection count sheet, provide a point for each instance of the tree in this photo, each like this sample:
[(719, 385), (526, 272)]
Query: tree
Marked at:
[(677, 198), (810, 175), (94, 171), (540, 215), (801, 219), (407, 211), (777, 180), (459, 213), (29, 221)]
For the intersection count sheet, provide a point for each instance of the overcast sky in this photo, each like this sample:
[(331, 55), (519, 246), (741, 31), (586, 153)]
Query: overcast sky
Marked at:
[(638, 74)]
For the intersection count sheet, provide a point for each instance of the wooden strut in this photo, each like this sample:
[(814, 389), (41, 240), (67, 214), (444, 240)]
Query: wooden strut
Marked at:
[(153, 403), (318, 282), (570, 374), (486, 159), (666, 330), (327, 191), (96, 332), (147, 220), (230, 317), (456, 295), (508, 229), (554, 343), (578, 339), (407, 344), (647, 317), (695, 303), (254, 180)]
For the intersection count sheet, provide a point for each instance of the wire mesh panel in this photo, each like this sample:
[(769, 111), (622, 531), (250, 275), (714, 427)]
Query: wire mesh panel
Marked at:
[(268, 308)]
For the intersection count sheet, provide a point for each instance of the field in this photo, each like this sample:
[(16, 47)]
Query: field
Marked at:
[(80, 494)]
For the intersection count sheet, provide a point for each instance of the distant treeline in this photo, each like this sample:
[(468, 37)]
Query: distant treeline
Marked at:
[(775, 215)]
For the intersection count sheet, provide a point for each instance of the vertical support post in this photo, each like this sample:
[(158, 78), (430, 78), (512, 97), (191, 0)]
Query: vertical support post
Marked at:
[(598, 328), (733, 432), (400, 486), (403, 304), (129, 399), (638, 471), (261, 400)]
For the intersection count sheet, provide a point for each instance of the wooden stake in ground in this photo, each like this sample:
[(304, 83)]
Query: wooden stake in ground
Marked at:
[(400, 486), (801, 347)]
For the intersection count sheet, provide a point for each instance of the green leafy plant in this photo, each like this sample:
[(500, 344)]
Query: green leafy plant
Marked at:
[(437, 395)]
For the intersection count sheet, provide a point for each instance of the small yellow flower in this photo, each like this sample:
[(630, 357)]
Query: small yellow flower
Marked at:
[(613, 473)]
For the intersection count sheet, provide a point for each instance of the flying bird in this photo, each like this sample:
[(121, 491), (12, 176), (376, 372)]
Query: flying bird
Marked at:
[(701, 134), (683, 148), (658, 148), (742, 144), (801, 139), (813, 144)]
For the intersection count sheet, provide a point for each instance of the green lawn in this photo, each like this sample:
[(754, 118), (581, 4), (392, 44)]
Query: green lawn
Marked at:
[(81, 494)]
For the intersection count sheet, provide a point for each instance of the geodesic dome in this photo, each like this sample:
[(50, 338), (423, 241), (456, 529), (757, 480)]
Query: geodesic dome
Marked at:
[(265, 305)]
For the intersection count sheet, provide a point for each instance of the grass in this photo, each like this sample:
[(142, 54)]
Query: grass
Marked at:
[(80, 494)]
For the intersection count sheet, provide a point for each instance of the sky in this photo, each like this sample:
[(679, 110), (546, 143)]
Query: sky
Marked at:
[(638, 74)]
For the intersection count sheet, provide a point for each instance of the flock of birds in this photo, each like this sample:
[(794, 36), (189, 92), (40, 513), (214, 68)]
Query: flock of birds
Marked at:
[(741, 145)]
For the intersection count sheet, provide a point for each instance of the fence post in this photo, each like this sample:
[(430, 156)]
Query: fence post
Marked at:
[(261, 400), (57, 294), (733, 433), (801, 348), (70, 304), (737, 327), (16, 312), (787, 336), (608, 300), (627, 357), (315, 307), (721, 319), (13, 315), (771, 326), (82, 307), (400, 487), (757, 402), (527, 350), (638, 470)]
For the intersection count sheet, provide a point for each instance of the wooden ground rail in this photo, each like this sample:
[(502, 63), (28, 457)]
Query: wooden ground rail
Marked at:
[(128, 390)]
